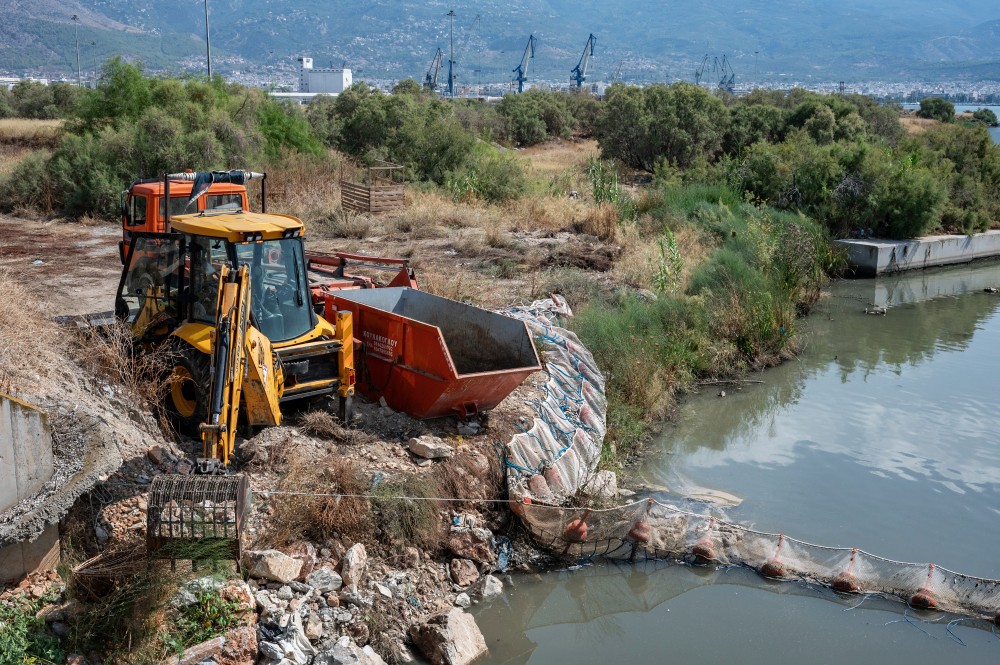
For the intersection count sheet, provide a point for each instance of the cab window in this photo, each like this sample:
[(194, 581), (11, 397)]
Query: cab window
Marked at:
[(138, 210), (224, 202), (178, 206), (206, 258)]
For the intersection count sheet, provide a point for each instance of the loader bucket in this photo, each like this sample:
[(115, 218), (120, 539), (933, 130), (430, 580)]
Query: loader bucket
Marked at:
[(191, 517), (429, 356)]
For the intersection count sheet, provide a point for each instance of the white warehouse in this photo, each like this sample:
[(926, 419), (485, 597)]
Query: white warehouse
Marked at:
[(322, 80)]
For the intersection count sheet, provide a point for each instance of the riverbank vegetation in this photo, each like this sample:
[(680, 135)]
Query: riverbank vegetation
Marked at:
[(689, 229)]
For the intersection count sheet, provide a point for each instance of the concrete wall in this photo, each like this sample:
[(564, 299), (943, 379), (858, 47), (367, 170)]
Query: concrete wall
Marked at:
[(879, 257), (25, 451), (26, 464)]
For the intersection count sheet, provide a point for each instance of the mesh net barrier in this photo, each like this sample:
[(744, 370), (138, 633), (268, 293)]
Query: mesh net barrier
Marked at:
[(549, 463)]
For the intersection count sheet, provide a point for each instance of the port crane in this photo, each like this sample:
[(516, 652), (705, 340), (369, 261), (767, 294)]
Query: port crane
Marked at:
[(521, 71), (579, 73), (431, 79), (698, 73), (617, 77), (727, 76)]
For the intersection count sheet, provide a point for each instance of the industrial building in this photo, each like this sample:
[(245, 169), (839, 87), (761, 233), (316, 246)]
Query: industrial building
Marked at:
[(322, 80)]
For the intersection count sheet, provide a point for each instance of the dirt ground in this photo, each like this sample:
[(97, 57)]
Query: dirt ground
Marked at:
[(73, 267)]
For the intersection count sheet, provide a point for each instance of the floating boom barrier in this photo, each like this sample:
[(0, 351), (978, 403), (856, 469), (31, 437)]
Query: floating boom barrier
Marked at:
[(550, 462)]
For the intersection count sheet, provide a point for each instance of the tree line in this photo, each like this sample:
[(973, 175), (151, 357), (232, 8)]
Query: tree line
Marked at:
[(844, 160)]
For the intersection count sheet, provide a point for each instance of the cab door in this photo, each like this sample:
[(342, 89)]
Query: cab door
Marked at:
[(151, 287)]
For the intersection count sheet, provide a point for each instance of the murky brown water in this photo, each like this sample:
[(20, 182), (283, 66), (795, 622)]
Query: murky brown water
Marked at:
[(881, 435)]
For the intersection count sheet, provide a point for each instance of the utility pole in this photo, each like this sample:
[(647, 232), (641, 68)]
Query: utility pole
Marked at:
[(451, 58), (76, 26), (208, 43), (756, 72), (93, 48)]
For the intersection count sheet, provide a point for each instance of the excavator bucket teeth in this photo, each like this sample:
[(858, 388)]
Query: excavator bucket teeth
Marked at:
[(197, 517)]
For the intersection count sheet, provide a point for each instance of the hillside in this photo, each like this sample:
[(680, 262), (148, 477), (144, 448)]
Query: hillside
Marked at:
[(850, 40)]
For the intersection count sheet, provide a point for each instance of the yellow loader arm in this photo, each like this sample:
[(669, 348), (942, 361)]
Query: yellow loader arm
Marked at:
[(242, 362)]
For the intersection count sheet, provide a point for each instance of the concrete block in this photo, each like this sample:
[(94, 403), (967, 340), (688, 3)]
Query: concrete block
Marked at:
[(879, 257), (25, 450), (20, 559)]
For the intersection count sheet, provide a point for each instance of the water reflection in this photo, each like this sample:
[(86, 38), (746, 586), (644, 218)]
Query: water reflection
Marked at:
[(881, 420), (610, 611)]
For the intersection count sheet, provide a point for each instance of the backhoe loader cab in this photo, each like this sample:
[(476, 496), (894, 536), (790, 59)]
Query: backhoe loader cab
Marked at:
[(170, 288)]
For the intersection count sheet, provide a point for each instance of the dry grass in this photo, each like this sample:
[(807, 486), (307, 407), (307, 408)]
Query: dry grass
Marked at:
[(11, 155), (557, 156), (320, 517), (641, 255), (33, 133), (28, 340), (601, 221), (914, 125), (433, 210), (303, 185), (548, 213), (322, 424), (143, 374)]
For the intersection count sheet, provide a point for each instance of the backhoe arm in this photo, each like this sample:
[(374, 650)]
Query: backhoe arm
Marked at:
[(242, 360)]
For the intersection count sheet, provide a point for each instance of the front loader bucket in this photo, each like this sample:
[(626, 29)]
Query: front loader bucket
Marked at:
[(197, 517)]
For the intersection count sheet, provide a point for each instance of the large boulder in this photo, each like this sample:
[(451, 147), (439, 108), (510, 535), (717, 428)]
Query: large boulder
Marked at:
[(346, 652), (354, 564), (491, 587), (450, 638), (472, 545), (272, 565), (430, 447), (463, 572)]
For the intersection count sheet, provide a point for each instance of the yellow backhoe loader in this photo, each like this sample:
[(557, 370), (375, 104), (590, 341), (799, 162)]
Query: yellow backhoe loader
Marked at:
[(225, 297)]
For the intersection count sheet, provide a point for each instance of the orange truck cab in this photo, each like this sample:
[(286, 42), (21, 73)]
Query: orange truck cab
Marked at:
[(143, 208)]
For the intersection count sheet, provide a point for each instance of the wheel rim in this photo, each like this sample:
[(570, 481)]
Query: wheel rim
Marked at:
[(183, 391)]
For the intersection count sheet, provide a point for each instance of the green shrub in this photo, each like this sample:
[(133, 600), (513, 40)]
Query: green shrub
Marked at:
[(24, 638), (647, 350), (490, 175)]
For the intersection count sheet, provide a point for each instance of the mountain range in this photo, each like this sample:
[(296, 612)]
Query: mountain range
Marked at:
[(799, 40)]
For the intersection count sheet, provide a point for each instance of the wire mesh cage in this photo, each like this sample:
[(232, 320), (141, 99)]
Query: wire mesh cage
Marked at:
[(197, 516)]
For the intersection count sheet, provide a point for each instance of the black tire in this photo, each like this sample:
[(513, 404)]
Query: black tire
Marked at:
[(186, 386)]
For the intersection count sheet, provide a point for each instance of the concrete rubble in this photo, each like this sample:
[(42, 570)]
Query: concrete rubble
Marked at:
[(346, 652)]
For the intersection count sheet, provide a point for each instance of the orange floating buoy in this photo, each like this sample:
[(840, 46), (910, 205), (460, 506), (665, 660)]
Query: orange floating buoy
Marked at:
[(925, 598), (704, 550), (576, 531), (846, 581), (639, 533), (773, 566)]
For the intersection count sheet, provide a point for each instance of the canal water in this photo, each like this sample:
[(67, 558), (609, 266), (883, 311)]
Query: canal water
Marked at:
[(881, 435)]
